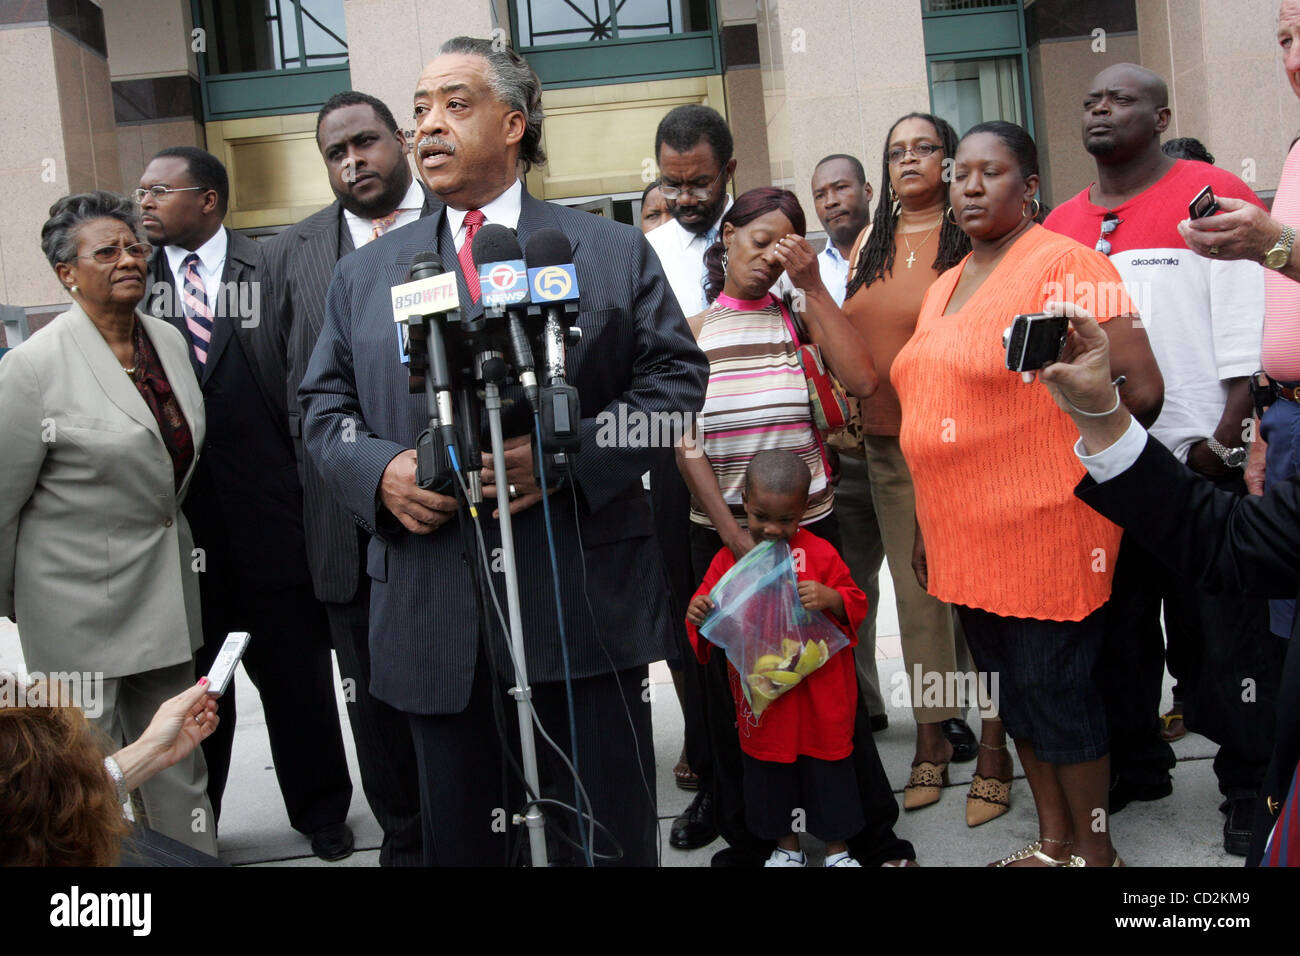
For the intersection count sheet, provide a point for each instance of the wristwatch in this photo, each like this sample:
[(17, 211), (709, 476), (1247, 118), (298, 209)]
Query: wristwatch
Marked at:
[(1280, 254), (1232, 457)]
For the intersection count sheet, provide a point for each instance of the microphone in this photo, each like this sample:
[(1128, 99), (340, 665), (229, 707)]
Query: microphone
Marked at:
[(553, 285), (553, 282), (503, 282), (417, 309)]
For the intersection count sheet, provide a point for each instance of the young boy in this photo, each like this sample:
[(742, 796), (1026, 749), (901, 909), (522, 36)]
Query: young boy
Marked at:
[(797, 771)]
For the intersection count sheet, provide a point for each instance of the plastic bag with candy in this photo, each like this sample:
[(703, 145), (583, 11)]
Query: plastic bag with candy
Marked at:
[(768, 636)]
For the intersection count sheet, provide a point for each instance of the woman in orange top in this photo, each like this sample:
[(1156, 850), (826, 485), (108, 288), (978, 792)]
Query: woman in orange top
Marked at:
[(909, 243), (999, 531)]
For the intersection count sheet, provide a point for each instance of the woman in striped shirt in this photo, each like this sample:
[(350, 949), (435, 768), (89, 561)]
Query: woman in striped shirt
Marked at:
[(757, 399)]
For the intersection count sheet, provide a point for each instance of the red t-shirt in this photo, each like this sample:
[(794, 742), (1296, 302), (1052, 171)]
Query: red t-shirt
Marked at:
[(815, 719)]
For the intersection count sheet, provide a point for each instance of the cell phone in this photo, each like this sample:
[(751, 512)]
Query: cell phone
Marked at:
[(223, 668), (1203, 205), (1033, 341)]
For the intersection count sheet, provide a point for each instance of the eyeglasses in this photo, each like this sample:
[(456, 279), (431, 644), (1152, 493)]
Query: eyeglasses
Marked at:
[(920, 151), (1109, 223), (140, 195), (107, 255), (696, 192)]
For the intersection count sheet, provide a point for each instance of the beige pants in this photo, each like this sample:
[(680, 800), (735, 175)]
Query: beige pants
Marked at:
[(175, 801), (926, 624)]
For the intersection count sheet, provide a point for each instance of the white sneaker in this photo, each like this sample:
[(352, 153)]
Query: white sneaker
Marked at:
[(842, 859), (782, 857)]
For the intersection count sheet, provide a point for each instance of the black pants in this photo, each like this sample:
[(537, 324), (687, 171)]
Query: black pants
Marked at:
[(467, 799), (877, 842), (671, 502), (385, 752), (1229, 666), (1131, 670), (288, 660)]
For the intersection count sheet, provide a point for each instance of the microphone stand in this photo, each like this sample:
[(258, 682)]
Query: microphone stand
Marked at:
[(435, 462)]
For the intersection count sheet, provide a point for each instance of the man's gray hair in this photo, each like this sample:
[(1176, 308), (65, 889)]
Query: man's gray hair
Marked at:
[(515, 84), (59, 234)]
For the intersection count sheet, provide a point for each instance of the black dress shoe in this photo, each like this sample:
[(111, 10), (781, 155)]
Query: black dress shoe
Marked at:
[(731, 856), (964, 745), (1124, 791), (333, 842), (695, 828), (879, 722), (1239, 826)]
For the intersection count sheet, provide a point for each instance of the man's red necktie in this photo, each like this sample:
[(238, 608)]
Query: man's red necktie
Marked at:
[(473, 219)]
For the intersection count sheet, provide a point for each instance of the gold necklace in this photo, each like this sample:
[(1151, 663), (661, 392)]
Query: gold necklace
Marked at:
[(911, 254)]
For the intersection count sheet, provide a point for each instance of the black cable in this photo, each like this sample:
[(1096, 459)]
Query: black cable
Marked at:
[(588, 834), (595, 624)]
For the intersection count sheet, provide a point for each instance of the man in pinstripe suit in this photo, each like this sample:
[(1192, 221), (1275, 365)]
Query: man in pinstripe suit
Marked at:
[(479, 115), (366, 160)]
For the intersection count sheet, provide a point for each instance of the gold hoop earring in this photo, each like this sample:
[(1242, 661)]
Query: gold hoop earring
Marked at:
[(950, 215), (1035, 205), (724, 261)]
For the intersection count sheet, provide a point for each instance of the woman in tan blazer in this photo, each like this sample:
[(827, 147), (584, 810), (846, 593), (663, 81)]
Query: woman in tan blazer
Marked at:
[(102, 425)]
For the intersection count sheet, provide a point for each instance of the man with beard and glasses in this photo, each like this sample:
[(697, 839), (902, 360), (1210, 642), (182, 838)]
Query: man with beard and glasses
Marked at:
[(366, 160)]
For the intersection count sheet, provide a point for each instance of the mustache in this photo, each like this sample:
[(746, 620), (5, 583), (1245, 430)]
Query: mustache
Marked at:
[(435, 141)]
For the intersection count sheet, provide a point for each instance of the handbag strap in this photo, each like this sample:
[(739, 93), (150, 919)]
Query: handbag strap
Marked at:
[(787, 313)]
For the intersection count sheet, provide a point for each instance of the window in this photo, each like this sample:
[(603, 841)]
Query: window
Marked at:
[(256, 35), (594, 42), (263, 57), (976, 56), (544, 22), (966, 92)]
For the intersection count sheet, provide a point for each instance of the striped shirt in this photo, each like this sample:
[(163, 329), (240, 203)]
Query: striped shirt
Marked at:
[(1281, 349), (757, 399)]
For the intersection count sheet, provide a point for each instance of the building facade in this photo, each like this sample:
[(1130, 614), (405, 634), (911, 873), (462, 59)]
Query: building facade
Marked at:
[(94, 87)]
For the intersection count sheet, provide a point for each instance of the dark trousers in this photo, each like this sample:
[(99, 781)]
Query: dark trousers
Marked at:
[(1229, 665), (671, 503), (1131, 670), (877, 842), (288, 660), (385, 752), (468, 797)]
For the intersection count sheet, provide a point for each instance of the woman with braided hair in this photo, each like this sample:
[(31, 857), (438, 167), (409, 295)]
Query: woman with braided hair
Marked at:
[(909, 242)]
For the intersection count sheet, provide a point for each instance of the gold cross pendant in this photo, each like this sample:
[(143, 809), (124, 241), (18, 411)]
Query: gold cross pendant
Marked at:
[(911, 257)]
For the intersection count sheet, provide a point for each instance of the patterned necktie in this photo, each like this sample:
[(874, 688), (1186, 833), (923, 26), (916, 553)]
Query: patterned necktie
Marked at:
[(473, 219), (198, 315), (381, 225)]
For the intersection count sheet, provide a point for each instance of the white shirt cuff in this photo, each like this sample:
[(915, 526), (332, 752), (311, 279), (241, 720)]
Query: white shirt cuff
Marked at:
[(1116, 459)]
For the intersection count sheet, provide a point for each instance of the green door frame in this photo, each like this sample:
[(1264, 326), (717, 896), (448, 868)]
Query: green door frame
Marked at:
[(980, 35)]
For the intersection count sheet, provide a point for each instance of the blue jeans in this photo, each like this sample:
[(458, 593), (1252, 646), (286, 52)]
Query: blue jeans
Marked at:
[(1280, 427)]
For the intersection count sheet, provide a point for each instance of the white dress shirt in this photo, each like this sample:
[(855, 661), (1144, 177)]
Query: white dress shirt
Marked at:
[(212, 263), (503, 211), (408, 210), (1119, 457), (835, 271), (681, 254)]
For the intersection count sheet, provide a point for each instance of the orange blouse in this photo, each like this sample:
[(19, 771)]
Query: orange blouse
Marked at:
[(992, 458)]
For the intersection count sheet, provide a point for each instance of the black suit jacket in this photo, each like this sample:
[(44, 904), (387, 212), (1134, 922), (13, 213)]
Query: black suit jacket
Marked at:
[(246, 502), (296, 273), (636, 350), (1223, 542)]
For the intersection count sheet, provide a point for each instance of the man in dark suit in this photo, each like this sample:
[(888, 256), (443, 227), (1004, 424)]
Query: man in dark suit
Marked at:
[(245, 504), (478, 111), (366, 159), (1221, 541)]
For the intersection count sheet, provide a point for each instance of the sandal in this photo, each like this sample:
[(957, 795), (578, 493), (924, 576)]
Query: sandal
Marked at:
[(988, 797), (1035, 850), (925, 785), (687, 779), (1174, 728)]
